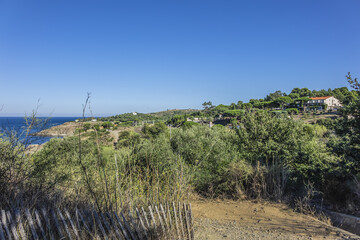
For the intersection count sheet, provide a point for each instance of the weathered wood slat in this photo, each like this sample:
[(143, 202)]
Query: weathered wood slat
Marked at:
[(90, 219), (72, 224), (135, 227), (141, 223), (2, 235), (187, 221), (65, 224), (58, 227), (5, 224), (38, 221), (78, 213), (12, 225), (176, 221), (47, 222), (165, 219), (31, 224), (128, 227), (146, 219), (100, 225), (161, 222), (152, 217), (121, 227), (59, 223), (169, 216), (19, 223), (181, 222), (106, 224), (113, 225), (191, 221)]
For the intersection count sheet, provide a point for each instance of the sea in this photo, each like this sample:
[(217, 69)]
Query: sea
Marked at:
[(16, 126)]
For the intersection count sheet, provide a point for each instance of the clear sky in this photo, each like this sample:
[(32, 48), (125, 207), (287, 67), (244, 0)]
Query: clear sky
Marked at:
[(154, 55)]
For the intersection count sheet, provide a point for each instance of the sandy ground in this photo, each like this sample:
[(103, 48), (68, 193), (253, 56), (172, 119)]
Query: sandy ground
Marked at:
[(250, 220)]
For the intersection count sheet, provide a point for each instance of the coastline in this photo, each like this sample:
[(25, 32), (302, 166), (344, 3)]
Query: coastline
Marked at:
[(66, 129)]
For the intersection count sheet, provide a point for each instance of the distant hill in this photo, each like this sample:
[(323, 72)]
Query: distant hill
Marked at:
[(155, 116), (164, 115)]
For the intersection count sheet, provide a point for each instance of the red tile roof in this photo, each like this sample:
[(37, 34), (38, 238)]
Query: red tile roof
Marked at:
[(320, 98)]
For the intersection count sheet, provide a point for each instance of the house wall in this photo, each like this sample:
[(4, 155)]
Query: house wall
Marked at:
[(332, 102)]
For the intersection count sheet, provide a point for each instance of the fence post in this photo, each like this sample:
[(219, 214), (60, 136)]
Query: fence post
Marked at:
[(12, 225), (72, 224), (47, 221), (2, 236), (38, 221), (19, 223), (4, 222), (176, 221), (31, 224)]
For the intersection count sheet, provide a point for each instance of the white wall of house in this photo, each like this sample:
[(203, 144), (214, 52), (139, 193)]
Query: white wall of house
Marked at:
[(332, 102)]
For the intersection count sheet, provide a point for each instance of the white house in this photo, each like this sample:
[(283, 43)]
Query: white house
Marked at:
[(331, 102)]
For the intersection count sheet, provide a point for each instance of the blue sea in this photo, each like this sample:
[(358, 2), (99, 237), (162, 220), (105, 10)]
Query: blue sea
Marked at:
[(18, 126)]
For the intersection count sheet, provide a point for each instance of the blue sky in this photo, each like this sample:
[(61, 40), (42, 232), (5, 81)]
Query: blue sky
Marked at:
[(154, 55)]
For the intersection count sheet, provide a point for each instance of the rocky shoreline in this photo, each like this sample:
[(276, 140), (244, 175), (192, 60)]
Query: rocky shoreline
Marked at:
[(64, 130)]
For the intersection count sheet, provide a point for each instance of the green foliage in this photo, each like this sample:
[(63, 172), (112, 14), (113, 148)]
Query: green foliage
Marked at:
[(274, 96), (189, 124), (292, 110), (126, 124), (208, 151), (154, 130), (234, 113), (107, 125), (128, 139), (207, 105), (96, 127), (265, 138), (282, 101), (86, 126), (348, 128), (177, 120), (130, 117)]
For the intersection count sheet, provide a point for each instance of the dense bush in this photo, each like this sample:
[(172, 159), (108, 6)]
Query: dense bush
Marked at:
[(292, 110)]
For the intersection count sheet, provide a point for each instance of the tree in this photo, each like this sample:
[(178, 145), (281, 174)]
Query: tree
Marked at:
[(106, 125), (86, 126), (350, 126), (303, 92), (302, 100), (294, 95), (274, 95), (247, 106), (177, 120), (282, 101), (233, 106), (207, 105)]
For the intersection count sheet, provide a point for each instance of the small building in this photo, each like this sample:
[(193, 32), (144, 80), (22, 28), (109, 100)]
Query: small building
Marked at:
[(134, 113), (323, 103)]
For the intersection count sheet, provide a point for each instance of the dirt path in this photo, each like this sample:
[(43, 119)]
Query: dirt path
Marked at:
[(249, 220)]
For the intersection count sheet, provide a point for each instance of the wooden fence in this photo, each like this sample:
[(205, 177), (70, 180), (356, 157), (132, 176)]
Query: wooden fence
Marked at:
[(169, 221)]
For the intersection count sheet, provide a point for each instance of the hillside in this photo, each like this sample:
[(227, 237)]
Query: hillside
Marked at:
[(172, 112)]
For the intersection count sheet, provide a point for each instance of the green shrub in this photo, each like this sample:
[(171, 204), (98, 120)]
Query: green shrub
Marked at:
[(128, 139), (126, 124), (292, 111), (189, 124), (234, 113)]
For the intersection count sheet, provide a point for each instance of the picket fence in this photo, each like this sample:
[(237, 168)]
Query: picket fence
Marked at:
[(168, 221)]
